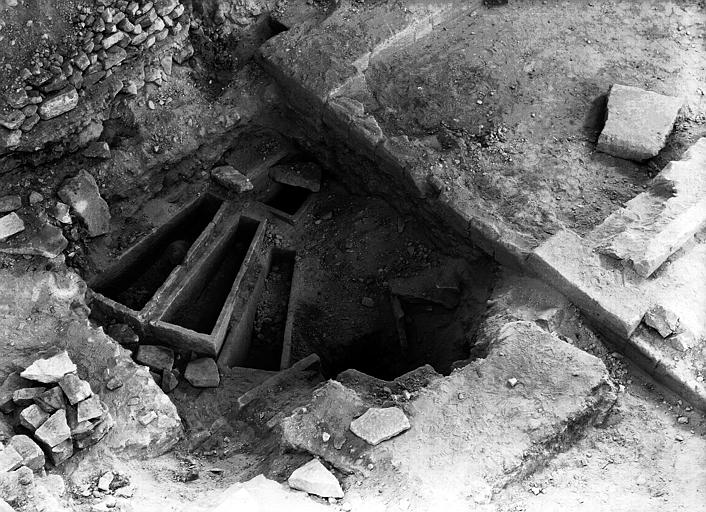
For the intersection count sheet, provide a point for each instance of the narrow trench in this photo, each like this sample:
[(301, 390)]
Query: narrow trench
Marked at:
[(271, 316), (199, 305), (146, 269)]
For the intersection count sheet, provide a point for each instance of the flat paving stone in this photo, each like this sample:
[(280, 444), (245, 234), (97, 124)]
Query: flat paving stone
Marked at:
[(378, 425), (314, 478), (638, 122), (51, 369)]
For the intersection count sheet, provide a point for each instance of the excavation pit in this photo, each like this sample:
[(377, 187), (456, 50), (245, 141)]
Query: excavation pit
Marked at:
[(286, 201)]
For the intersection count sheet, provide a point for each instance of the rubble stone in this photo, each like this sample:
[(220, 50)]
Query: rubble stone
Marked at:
[(305, 175), (203, 373), (9, 138), (32, 455), (55, 430), (75, 388), (12, 383), (10, 225), (314, 478), (12, 120), (51, 369), (10, 203), (637, 123), (10, 460), (231, 179), (664, 321), (169, 381), (156, 357), (89, 409), (82, 194), (59, 104), (25, 396), (377, 425), (33, 417), (60, 212), (97, 149), (61, 452), (123, 334)]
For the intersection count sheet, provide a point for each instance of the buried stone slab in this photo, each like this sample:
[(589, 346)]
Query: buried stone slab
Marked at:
[(314, 478), (637, 122), (378, 425), (304, 175)]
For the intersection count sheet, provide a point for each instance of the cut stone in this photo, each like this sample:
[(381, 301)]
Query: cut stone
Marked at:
[(378, 425), (59, 104), (61, 452), (10, 460), (658, 222), (10, 224), (25, 396), (89, 409), (314, 478), (156, 357), (12, 383), (32, 455), (664, 321), (203, 373), (51, 400), (82, 194), (55, 430), (305, 175), (637, 122), (33, 417), (10, 203), (75, 388), (50, 370), (228, 177)]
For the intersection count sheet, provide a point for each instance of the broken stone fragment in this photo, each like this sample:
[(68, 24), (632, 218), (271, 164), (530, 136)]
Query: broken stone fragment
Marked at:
[(169, 381), (51, 369), (55, 430), (10, 460), (82, 194), (203, 373), (25, 396), (97, 149), (664, 321), (35, 197), (683, 341), (165, 7), (378, 425), (89, 409), (33, 417), (10, 225), (61, 452), (12, 383), (637, 122), (60, 212), (17, 98), (9, 138), (123, 334), (12, 120), (156, 357), (32, 455), (75, 388), (113, 383), (10, 203), (48, 242), (101, 428), (304, 175), (59, 104), (229, 178), (114, 57), (314, 478)]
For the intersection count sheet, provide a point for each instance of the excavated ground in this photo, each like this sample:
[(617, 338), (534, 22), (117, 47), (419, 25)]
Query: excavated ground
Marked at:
[(520, 134)]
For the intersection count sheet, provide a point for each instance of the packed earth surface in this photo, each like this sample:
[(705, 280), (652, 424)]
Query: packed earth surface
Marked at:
[(352, 255)]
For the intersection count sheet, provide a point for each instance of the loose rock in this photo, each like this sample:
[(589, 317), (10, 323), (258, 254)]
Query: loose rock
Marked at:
[(50, 370), (33, 417), (377, 425), (229, 178), (55, 430), (305, 175), (9, 459), (10, 224), (82, 194), (314, 478), (664, 321), (203, 373), (156, 357), (75, 388), (10, 203), (32, 455), (59, 104)]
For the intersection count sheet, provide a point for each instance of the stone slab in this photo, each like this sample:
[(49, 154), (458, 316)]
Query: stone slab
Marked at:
[(637, 122), (156, 357), (55, 430), (59, 104), (51, 369), (314, 478), (26, 396), (261, 494), (658, 222), (51, 400), (32, 455), (12, 383), (9, 459), (10, 203), (89, 409), (231, 179), (33, 417), (10, 225), (304, 175), (569, 263), (74, 388), (377, 425), (44, 240)]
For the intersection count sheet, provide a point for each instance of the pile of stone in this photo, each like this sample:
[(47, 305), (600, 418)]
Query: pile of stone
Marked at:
[(200, 372), (107, 35), (53, 411)]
